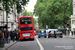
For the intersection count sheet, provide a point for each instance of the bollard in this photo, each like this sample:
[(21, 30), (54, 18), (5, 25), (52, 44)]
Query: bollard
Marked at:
[(1, 42)]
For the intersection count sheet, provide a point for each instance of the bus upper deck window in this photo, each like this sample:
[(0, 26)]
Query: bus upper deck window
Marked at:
[(26, 21)]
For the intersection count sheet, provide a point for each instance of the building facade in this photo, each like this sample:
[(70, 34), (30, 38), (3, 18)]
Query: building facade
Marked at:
[(73, 17), (36, 25), (12, 18)]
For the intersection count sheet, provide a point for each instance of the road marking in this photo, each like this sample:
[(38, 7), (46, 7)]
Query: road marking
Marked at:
[(41, 47)]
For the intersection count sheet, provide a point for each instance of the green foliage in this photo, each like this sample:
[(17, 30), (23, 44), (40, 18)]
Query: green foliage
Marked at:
[(40, 26), (26, 13), (51, 12), (10, 4)]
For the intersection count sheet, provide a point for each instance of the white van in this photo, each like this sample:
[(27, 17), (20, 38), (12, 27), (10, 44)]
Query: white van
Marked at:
[(51, 30)]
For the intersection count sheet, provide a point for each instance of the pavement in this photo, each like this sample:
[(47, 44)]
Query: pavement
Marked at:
[(45, 44), (7, 45), (12, 43), (69, 36)]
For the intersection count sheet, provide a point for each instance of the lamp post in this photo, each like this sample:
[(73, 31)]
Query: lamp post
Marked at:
[(6, 16), (64, 18), (15, 12), (71, 6), (49, 23), (3, 16), (19, 2)]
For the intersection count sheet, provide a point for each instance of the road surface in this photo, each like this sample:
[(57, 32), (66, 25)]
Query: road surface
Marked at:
[(45, 44)]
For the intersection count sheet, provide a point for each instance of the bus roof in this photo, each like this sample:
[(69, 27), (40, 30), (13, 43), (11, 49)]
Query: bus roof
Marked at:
[(24, 16)]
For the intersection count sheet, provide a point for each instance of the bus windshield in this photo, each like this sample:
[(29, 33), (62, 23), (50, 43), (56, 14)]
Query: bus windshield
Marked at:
[(26, 28), (25, 21)]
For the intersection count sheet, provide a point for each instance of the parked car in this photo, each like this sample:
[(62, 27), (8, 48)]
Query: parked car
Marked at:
[(59, 34), (52, 34), (42, 33)]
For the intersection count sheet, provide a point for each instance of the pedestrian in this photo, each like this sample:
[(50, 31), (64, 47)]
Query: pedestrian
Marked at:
[(5, 36), (13, 36), (9, 36), (54, 32), (72, 33), (11, 32), (68, 32), (17, 36), (1, 34), (1, 39)]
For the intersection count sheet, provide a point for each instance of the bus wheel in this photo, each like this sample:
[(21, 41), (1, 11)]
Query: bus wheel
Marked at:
[(45, 36), (55, 37), (60, 36), (48, 37), (38, 36)]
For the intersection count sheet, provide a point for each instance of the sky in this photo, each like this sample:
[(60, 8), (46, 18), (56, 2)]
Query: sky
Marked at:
[(30, 5)]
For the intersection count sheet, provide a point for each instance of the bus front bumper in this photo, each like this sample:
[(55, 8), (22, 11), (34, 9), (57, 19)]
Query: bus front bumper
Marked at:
[(27, 37)]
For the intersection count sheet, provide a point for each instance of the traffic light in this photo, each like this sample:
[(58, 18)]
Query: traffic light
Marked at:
[(67, 24)]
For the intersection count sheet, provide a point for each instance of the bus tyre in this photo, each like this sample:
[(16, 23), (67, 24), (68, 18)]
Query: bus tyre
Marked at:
[(38, 36), (60, 36), (48, 37), (45, 36), (55, 37)]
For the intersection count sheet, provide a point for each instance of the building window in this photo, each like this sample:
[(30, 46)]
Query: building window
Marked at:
[(73, 21), (74, 28)]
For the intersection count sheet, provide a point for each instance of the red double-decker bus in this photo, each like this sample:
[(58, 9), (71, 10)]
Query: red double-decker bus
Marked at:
[(26, 27)]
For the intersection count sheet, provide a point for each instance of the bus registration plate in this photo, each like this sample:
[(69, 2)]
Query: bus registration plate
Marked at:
[(26, 34)]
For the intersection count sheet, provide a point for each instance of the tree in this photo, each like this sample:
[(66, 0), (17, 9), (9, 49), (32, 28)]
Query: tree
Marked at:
[(8, 4), (51, 12), (26, 13)]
